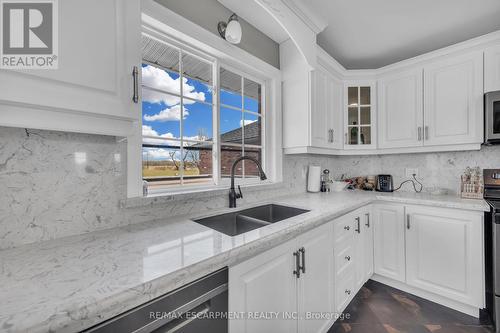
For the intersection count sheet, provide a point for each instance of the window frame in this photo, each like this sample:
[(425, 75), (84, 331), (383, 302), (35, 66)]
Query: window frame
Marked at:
[(217, 180)]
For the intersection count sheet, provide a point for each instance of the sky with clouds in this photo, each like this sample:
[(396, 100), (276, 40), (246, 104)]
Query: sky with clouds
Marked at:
[(162, 112)]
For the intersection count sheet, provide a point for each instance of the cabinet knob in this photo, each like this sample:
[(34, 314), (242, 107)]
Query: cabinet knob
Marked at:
[(347, 228), (348, 258), (347, 291)]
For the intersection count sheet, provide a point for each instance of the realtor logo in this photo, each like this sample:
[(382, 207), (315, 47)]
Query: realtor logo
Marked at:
[(29, 34)]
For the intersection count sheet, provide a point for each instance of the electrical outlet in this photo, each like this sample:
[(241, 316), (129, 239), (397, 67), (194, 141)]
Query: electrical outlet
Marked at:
[(410, 172)]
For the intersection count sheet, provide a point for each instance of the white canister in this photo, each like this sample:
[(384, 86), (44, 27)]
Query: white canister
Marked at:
[(313, 178)]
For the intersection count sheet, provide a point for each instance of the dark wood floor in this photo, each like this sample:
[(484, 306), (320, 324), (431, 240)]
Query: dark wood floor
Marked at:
[(378, 308)]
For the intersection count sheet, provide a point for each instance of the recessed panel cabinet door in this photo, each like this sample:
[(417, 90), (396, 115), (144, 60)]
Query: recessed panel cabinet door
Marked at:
[(316, 293), (326, 110), (492, 69), (453, 100), (265, 283), (400, 110), (389, 241), (99, 43), (367, 227), (444, 253)]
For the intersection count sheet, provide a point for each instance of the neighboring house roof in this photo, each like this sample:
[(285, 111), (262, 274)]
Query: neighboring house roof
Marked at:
[(252, 134)]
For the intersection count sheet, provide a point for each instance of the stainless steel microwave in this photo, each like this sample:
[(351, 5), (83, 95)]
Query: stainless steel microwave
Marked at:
[(492, 117)]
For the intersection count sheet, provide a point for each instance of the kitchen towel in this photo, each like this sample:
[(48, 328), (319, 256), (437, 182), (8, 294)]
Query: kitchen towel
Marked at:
[(313, 178)]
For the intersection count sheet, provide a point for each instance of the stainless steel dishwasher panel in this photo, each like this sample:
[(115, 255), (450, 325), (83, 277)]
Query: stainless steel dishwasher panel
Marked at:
[(200, 306)]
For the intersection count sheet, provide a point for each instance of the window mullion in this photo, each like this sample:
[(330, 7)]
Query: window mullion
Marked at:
[(216, 148), (243, 175), (181, 120)]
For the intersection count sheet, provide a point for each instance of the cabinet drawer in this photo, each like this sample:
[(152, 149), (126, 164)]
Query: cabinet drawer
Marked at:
[(344, 255), (343, 229), (344, 289)]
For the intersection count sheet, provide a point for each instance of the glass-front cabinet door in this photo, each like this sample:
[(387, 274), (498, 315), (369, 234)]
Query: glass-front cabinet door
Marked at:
[(360, 115)]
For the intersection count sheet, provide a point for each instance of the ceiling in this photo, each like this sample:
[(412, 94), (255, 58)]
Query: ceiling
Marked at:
[(363, 34)]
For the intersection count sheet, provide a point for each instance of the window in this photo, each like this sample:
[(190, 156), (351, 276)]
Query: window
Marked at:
[(182, 115), (240, 123)]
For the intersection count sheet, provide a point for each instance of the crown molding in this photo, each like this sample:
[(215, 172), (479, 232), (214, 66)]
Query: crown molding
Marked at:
[(311, 19)]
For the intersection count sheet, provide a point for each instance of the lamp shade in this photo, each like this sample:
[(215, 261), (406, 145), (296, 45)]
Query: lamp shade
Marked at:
[(233, 32)]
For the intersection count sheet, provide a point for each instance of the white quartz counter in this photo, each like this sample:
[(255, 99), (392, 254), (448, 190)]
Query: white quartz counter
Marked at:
[(72, 283)]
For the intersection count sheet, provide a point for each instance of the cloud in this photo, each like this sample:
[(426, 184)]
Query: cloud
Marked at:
[(160, 79), (246, 122), (149, 131), (168, 114), (160, 154)]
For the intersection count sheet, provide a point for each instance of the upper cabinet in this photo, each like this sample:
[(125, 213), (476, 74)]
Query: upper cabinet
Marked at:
[(312, 104), (359, 114), (453, 100), (94, 75), (492, 69), (400, 114), (326, 118)]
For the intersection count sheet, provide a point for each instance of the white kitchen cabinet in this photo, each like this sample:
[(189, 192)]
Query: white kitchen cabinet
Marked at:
[(400, 111), (316, 282), (312, 103), (360, 115), (492, 69), (444, 253), (453, 100), (363, 246), (367, 229), (326, 116), (267, 283), (94, 78), (389, 241)]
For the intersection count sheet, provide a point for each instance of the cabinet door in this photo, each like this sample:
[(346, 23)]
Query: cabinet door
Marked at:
[(400, 114), (99, 43), (492, 69), (326, 110), (265, 283), (444, 253), (316, 293), (360, 115), (367, 227), (453, 100), (389, 241), (359, 250)]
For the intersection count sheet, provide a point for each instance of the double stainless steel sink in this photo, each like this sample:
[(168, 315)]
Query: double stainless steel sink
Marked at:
[(239, 222)]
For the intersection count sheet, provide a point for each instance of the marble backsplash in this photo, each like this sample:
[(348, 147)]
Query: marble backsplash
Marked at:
[(56, 184), (435, 170)]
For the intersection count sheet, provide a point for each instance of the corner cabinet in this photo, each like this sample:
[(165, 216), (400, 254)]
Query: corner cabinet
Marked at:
[(291, 280), (359, 115), (92, 89), (389, 241)]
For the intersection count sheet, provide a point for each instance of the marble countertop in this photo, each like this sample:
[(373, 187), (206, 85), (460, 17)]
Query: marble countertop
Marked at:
[(72, 283)]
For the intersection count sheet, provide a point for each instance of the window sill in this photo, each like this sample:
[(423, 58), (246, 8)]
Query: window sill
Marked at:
[(193, 193)]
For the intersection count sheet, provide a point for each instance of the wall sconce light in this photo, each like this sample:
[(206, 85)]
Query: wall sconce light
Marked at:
[(230, 31)]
